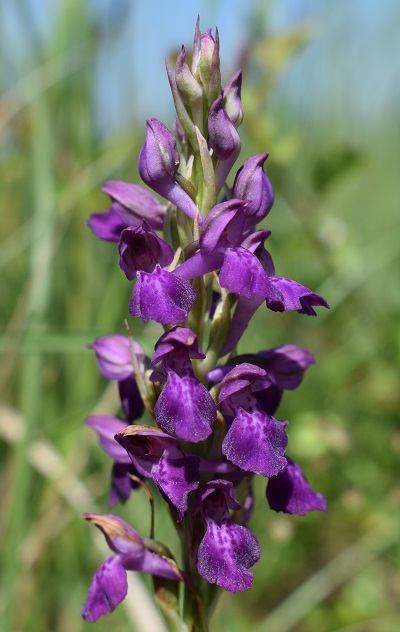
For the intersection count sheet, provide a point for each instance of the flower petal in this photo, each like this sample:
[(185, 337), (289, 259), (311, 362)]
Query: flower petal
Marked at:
[(290, 492), (243, 274), (175, 478), (107, 226), (141, 248), (256, 443), (226, 553), (134, 203), (161, 296), (131, 400), (294, 297), (106, 428), (113, 356), (108, 588), (121, 483), (185, 408)]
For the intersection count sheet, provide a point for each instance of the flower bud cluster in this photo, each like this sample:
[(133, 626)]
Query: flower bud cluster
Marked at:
[(213, 411)]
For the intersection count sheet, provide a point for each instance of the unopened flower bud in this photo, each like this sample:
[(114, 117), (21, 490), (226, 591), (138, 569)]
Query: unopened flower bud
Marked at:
[(206, 64), (231, 96), (189, 88)]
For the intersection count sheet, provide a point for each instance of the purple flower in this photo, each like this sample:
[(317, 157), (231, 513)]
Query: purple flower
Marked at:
[(227, 550), (132, 553), (113, 355), (290, 492), (255, 441), (142, 249), (130, 204), (121, 483), (288, 294), (158, 294), (158, 167), (185, 408), (156, 455), (284, 368), (241, 272), (282, 295), (294, 297)]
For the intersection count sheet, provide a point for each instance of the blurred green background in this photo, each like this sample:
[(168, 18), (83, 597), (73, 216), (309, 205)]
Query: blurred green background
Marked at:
[(321, 94)]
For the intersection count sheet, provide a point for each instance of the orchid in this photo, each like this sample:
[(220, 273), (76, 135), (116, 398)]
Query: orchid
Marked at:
[(210, 426)]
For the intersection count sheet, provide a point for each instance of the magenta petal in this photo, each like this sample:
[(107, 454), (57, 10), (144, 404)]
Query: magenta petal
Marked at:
[(113, 356), (131, 401), (185, 408), (107, 226), (290, 492), (175, 478), (161, 296), (106, 428), (243, 274), (109, 587), (145, 445), (134, 203), (226, 553), (121, 483), (285, 365), (294, 297), (223, 227), (256, 443)]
